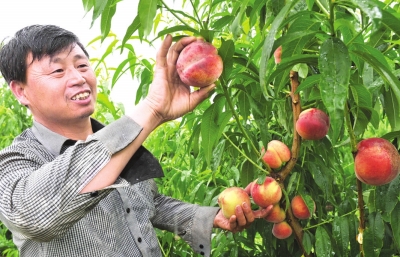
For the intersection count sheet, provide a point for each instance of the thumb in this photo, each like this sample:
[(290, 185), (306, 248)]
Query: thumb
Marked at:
[(198, 96)]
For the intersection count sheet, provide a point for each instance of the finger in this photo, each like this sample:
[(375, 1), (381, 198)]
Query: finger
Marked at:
[(240, 217), (248, 212), (248, 188), (161, 57), (262, 213), (233, 223), (176, 49), (198, 96)]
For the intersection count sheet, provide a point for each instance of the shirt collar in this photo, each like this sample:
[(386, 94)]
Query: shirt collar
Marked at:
[(53, 141)]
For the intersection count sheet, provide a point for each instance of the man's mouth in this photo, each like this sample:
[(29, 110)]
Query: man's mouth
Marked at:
[(81, 96)]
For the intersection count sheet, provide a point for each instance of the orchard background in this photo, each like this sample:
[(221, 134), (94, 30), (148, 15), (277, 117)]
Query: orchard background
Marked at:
[(339, 56)]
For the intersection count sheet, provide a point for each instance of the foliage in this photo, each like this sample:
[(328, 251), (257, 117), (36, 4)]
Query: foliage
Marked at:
[(345, 57)]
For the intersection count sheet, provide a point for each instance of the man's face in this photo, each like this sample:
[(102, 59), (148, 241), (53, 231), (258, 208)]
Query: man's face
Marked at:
[(62, 89)]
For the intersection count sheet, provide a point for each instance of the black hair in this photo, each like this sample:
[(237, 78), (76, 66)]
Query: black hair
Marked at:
[(40, 41)]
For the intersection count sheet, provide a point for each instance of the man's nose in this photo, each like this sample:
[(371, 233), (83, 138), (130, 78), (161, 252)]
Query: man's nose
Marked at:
[(76, 78)]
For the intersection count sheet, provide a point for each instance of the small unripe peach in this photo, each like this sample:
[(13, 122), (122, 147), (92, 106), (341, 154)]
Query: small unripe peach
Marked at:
[(299, 208), (199, 64), (276, 155), (278, 54), (276, 215), (313, 124), (266, 194), (282, 230), (230, 198), (377, 161)]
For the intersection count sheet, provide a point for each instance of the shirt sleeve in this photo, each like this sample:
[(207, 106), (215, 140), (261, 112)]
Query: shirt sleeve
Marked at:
[(191, 222), (40, 195)]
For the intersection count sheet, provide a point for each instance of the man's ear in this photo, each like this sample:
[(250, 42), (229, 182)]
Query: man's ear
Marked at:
[(18, 89)]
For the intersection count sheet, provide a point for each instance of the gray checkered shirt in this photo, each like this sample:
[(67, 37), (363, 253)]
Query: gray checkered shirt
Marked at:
[(42, 173)]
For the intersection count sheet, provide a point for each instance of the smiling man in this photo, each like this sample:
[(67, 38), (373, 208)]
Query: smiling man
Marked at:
[(74, 187)]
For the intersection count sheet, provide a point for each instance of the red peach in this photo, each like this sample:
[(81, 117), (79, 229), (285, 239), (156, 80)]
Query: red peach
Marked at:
[(276, 155), (230, 198), (299, 208), (377, 161), (282, 230), (266, 194), (276, 215), (199, 64), (313, 124), (278, 54)]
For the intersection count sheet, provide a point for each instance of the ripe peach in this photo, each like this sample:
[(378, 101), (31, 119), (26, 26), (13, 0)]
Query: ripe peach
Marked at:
[(199, 64), (282, 230), (377, 161), (230, 198), (278, 54), (299, 208), (276, 215), (313, 124), (276, 155), (266, 194)]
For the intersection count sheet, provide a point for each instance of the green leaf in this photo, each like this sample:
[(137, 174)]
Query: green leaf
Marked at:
[(175, 29), (226, 51), (106, 17), (269, 42), (391, 108), (87, 5), (309, 203), (378, 62), (340, 232), (147, 11), (135, 25), (373, 235), (307, 242), (395, 224), (392, 194), (212, 125), (99, 6), (309, 82), (323, 245), (247, 173), (370, 7), (391, 21), (334, 65)]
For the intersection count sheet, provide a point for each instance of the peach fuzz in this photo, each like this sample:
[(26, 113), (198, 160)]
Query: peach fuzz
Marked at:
[(299, 208), (377, 161), (266, 194), (199, 64), (313, 124), (230, 198), (282, 230), (276, 155), (276, 215)]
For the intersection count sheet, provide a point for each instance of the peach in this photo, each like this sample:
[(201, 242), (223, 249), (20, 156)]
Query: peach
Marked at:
[(230, 198), (276, 155), (282, 230), (199, 64), (377, 161), (278, 54), (313, 124), (276, 215), (299, 208), (266, 194)]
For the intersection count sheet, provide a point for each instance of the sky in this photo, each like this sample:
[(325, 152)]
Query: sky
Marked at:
[(69, 14)]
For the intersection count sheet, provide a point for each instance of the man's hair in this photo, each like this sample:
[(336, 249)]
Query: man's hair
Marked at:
[(40, 41)]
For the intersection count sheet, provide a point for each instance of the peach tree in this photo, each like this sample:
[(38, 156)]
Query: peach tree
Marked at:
[(280, 58)]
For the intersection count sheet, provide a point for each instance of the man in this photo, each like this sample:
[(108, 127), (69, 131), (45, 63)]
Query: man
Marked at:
[(72, 187)]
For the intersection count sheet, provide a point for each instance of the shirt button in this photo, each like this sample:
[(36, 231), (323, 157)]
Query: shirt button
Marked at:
[(128, 210), (201, 246), (139, 239), (202, 253), (94, 194)]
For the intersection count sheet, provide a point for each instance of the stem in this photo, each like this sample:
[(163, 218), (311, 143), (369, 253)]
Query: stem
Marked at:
[(328, 221), (296, 107), (322, 7), (244, 155), (353, 144), (332, 17), (173, 13), (197, 15), (234, 113)]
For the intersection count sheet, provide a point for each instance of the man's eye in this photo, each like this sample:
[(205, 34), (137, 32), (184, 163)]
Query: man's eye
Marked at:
[(83, 66), (58, 71)]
